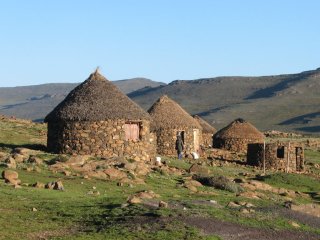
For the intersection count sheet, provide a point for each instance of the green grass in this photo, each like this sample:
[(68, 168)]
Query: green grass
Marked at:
[(74, 214)]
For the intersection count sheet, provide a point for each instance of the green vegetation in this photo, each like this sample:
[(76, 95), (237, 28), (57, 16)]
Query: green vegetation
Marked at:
[(97, 209)]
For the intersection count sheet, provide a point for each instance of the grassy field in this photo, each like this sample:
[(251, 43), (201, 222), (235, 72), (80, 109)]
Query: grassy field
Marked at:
[(79, 213)]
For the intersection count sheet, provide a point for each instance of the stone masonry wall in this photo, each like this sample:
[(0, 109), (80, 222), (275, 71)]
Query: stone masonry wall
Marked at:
[(288, 161), (207, 139), (102, 139), (166, 141)]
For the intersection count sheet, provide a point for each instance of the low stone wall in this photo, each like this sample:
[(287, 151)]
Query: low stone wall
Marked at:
[(166, 141), (102, 139), (234, 144), (279, 156)]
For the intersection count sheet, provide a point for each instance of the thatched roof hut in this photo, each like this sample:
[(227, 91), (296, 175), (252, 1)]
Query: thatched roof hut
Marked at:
[(207, 131), (166, 113), (169, 119), (237, 135), (96, 118), (96, 99)]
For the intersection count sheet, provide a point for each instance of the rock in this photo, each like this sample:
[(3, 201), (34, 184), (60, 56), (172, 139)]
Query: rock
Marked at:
[(34, 209), (58, 186), (213, 201), (244, 210), (35, 160), (17, 186), (310, 209), (134, 200), (147, 194), (233, 205), (19, 158), (114, 174), (49, 185), (22, 151), (10, 162), (193, 183), (130, 166), (9, 174), (66, 173), (77, 160), (142, 169), (198, 169), (294, 224), (13, 181), (251, 195), (163, 204), (38, 185)]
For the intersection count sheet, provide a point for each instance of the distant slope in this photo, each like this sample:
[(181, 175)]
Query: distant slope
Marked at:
[(288, 102), (268, 101), (34, 102)]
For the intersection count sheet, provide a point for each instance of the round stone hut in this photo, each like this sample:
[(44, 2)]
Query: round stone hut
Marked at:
[(96, 118), (207, 131), (168, 120), (237, 135)]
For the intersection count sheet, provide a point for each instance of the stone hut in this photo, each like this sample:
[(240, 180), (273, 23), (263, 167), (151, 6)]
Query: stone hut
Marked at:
[(287, 156), (96, 118), (168, 120), (207, 131), (237, 135)]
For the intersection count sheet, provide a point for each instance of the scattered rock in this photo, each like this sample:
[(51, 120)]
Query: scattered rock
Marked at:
[(77, 160), (198, 169), (294, 224), (310, 209), (9, 174), (115, 174), (10, 162), (163, 204), (233, 205), (19, 158), (55, 185), (34, 209), (148, 194), (134, 200), (35, 160), (38, 185)]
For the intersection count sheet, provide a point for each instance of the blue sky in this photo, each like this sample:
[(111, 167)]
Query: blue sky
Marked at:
[(164, 40)]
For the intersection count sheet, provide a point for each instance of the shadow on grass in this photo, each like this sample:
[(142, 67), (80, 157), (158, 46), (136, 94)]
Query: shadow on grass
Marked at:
[(39, 147)]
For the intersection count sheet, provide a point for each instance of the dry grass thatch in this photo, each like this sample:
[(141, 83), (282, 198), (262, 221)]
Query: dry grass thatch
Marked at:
[(96, 99), (239, 129), (206, 127), (167, 114)]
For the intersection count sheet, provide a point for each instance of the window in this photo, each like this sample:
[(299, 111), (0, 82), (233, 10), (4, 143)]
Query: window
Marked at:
[(280, 152), (132, 131)]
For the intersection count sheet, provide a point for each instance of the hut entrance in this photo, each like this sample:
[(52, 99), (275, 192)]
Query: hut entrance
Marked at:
[(196, 140), (299, 158), (132, 131)]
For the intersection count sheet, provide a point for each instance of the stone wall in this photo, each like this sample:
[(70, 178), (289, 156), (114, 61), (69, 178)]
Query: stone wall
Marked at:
[(166, 141), (234, 144), (102, 139), (279, 156), (207, 139)]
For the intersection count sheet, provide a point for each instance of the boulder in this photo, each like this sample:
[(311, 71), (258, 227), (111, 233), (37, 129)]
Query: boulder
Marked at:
[(198, 169), (11, 163), (134, 200), (148, 194), (38, 185), (77, 160), (163, 204), (58, 186), (115, 174), (35, 160), (9, 174)]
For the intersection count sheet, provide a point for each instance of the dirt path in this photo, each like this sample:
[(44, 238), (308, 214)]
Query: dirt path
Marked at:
[(234, 231)]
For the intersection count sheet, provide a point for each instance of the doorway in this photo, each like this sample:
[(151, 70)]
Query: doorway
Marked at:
[(196, 140)]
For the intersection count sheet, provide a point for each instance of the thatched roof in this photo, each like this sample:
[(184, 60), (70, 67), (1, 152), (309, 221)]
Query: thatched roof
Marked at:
[(166, 114), (239, 129), (206, 127), (96, 99)]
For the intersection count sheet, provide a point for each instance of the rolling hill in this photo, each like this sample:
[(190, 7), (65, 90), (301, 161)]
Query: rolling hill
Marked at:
[(288, 102)]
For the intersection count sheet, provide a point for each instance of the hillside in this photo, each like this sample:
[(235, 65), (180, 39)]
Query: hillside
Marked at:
[(287, 102), (284, 102), (34, 102)]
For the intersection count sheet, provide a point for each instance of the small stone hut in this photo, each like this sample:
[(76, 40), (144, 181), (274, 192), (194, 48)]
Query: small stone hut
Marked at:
[(286, 156), (96, 118), (207, 131), (237, 135), (168, 120)]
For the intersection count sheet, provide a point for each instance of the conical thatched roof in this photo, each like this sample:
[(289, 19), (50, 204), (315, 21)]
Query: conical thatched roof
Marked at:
[(166, 114), (239, 129), (96, 99), (206, 127)]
